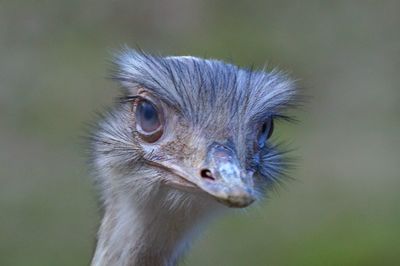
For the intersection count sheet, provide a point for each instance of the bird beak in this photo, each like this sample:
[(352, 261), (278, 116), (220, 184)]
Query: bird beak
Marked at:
[(220, 175), (223, 178)]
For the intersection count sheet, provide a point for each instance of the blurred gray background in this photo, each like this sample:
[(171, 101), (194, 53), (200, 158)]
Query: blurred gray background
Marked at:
[(341, 209)]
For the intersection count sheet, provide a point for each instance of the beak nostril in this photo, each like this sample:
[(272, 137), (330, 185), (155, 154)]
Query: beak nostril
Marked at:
[(205, 173)]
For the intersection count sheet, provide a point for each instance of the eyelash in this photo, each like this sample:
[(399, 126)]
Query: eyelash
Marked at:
[(127, 99)]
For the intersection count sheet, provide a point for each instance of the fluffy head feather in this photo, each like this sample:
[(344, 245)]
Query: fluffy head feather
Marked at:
[(210, 104)]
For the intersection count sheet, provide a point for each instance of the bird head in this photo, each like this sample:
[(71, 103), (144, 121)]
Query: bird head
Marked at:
[(194, 125)]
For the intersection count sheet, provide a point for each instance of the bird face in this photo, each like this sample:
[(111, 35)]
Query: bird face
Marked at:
[(196, 125), (197, 158)]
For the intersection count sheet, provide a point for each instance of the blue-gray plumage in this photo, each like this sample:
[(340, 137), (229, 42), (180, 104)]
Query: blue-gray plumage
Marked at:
[(187, 135)]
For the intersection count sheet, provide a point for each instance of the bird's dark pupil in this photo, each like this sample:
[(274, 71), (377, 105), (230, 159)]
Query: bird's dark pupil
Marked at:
[(147, 116), (264, 128), (149, 113), (265, 133)]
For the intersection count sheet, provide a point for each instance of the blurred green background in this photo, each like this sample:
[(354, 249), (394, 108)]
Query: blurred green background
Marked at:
[(343, 207)]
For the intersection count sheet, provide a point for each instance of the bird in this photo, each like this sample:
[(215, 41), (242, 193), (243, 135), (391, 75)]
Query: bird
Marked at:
[(188, 138)]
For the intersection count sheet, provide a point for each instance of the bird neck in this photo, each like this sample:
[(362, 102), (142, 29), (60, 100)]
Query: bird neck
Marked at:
[(148, 233)]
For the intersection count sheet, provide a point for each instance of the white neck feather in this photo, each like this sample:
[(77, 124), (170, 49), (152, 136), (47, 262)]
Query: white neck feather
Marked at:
[(149, 233)]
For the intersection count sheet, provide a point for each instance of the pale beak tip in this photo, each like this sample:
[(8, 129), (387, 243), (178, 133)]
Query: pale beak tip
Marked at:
[(237, 198)]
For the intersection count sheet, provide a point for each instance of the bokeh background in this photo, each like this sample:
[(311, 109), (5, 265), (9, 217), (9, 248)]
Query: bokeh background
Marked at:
[(343, 208)]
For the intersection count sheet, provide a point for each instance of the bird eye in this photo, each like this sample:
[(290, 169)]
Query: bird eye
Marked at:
[(148, 121), (265, 132)]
